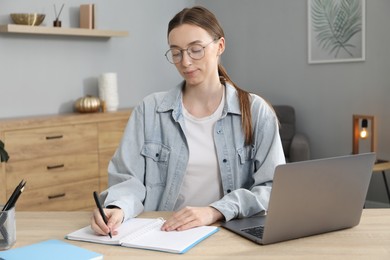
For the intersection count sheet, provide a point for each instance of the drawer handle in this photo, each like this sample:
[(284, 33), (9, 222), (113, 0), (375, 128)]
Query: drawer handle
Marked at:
[(50, 197), (54, 137), (51, 167)]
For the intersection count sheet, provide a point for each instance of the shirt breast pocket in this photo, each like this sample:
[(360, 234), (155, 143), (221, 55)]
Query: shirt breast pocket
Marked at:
[(246, 157), (246, 154), (156, 163)]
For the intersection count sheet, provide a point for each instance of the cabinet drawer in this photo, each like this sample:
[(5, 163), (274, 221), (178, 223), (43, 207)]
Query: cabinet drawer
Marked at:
[(49, 141), (110, 133), (103, 184), (105, 156), (54, 170), (67, 197)]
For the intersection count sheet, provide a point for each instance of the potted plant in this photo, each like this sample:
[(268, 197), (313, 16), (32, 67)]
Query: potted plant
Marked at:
[(3, 153)]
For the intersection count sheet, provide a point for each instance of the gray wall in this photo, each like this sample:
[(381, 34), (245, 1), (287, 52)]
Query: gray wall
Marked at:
[(46, 74), (266, 54)]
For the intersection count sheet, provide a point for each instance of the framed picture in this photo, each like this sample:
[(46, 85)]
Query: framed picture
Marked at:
[(336, 31)]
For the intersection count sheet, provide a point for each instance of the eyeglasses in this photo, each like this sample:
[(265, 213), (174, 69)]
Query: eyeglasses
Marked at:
[(195, 51)]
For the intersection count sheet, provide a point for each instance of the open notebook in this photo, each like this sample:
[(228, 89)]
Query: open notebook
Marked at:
[(145, 233)]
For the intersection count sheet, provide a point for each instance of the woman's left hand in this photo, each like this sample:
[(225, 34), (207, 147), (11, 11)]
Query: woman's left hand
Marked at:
[(190, 217)]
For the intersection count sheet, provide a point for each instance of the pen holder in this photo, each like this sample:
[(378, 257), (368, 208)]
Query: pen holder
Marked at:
[(7, 229)]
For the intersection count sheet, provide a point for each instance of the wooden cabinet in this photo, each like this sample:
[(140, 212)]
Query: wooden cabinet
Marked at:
[(110, 134), (63, 158)]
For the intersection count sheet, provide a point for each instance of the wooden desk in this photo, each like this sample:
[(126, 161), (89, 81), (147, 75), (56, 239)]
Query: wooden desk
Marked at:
[(369, 240)]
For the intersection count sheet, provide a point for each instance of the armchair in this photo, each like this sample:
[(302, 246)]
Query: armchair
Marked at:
[(296, 146)]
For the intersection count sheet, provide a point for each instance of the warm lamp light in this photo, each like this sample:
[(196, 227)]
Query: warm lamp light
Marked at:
[(360, 131), (363, 132)]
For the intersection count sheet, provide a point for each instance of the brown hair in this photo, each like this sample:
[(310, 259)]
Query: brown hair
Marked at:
[(206, 20)]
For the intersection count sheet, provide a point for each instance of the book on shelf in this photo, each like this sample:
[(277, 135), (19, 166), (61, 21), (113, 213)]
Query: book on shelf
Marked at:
[(49, 250), (87, 16), (146, 233)]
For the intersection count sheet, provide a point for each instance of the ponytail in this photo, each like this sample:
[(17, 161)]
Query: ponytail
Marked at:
[(243, 98)]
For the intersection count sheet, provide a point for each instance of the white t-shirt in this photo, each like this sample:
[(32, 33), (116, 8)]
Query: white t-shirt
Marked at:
[(202, 183)]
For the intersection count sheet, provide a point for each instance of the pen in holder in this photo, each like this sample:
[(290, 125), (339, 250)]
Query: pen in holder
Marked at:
[(7, 218), (7, 228)]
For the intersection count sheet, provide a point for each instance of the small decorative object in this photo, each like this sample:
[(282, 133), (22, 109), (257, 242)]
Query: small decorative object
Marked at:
[(88, 104), (33, 19), (108, 91), (57, 22), (363, 127), (3, 153)]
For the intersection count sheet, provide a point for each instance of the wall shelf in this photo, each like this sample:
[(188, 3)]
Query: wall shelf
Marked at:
[(60, 31)]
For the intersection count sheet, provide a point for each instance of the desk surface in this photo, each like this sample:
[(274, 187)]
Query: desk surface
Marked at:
[(369, 240)]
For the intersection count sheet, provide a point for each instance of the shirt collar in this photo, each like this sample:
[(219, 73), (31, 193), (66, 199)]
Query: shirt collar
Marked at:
[(173, 101)]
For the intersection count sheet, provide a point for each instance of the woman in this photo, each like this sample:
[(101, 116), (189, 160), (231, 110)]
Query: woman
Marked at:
[(206, 149)]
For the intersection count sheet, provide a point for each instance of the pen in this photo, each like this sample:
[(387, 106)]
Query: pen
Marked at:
[(9, 205), (13, 203), (95, 196), (14, 197)]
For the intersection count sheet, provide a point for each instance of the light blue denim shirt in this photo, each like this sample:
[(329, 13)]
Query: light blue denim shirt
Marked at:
[(147, 170)]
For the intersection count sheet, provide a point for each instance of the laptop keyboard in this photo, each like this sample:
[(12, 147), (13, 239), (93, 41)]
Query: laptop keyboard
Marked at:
[(255, 231)]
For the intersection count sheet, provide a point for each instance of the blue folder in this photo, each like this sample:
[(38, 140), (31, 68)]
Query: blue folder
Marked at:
[(49, 250)]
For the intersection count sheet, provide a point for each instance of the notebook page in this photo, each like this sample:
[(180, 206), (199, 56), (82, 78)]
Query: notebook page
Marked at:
[(172, 241), (143, 230), (128, 227)]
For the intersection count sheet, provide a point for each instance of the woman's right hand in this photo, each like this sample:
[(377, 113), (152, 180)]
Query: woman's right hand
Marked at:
[(114, 220)]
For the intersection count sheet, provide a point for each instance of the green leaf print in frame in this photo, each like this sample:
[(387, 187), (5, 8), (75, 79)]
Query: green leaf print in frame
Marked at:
[(336, 30)]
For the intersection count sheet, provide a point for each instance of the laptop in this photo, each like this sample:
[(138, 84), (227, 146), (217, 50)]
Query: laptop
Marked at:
[(309, 198)]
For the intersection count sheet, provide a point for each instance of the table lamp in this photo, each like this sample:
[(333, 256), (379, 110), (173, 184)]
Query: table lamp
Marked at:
[(363, 128)]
